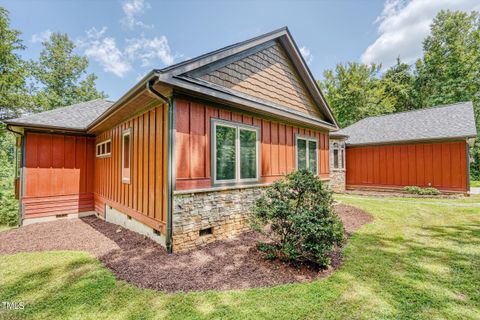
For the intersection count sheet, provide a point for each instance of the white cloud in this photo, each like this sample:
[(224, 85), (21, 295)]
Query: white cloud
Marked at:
[(148, 50), (307, 55), (403, 24), (104, 50), (41, 37), (132, 9)]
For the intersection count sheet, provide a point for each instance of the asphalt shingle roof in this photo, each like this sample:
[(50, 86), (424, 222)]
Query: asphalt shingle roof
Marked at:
[(442, 122), (75, 117)]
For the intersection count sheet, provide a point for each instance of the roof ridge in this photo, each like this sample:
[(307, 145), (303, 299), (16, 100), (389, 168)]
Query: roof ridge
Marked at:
[(284, 28), (412, 111)]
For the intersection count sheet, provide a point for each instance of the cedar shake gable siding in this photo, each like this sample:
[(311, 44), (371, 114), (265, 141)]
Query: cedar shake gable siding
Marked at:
[(268, 75)]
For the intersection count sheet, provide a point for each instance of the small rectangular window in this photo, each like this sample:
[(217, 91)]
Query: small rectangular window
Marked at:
[(235, 155), (339, 155), (126, 156), (104, 149), (307, 153)]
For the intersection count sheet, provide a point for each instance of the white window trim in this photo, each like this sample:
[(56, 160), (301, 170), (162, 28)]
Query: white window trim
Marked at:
[(340, 147), (307, 138), (127, 132), (103, 155), (238, 126)]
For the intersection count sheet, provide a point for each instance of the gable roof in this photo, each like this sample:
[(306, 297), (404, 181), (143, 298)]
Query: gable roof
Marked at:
[(441, 122), (75, 117), (186, 76), (182, 78)]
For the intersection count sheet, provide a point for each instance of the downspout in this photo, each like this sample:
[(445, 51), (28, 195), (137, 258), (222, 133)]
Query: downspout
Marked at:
[(22, 172), (170, 164)]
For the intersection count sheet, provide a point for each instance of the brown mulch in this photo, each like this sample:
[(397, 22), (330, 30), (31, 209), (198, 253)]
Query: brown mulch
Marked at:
[(228, 264)]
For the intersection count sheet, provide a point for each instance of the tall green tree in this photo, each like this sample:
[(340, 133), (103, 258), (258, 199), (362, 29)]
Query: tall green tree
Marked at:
[(354, 91), (398, 82), (14, 96), (449, 71), (60, 75)]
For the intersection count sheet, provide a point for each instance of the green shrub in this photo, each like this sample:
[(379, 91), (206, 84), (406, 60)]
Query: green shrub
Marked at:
[(421, 191), (297, 217), (8, 203), (9, 208)]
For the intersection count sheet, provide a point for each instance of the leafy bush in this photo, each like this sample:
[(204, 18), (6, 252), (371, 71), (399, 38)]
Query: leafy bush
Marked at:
[(421, 191), (296, 216), (9, 205)]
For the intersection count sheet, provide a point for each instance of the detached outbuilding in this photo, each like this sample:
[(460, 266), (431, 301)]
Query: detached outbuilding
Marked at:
[(426, 148)]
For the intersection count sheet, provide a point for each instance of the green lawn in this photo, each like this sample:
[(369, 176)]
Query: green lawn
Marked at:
[(474, 183), (5, 228), (419, 259)]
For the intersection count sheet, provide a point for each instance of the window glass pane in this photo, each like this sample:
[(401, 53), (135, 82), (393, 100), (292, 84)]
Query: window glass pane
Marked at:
[(248, 154), (225, 152), (335, 159), (126, 156), (312, 156), (108, 146), (103, 149), (301, 154), (342, 165)]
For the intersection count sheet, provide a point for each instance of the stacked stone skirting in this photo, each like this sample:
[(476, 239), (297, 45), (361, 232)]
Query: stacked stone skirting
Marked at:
[(337, 176), (224, 211)]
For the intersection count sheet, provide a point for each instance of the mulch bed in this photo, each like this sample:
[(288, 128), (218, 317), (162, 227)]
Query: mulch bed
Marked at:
[(223, 265)]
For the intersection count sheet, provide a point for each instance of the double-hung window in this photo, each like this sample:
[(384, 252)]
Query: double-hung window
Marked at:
[(339, 155), (307, 153), (235, 157)]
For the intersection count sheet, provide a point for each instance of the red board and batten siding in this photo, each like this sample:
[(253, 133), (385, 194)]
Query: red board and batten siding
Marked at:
[(442, 165), (58, 174), (144, 198), (277, 150)]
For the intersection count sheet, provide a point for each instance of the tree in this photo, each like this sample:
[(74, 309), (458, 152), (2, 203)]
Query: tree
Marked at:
[(61, 75), (14, 96), (354, 92), (449, 71), (398, 83)]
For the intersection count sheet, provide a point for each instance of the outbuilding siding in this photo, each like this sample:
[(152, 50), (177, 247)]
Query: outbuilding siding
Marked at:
[(442, 165)]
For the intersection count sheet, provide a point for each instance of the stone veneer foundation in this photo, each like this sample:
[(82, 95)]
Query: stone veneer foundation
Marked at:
[(225, 211)]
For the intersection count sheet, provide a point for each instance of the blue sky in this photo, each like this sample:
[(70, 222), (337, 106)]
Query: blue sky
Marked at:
[(124, 39)]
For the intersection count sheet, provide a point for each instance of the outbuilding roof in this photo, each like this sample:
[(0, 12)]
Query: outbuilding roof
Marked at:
[(74, 117), (436, 123)]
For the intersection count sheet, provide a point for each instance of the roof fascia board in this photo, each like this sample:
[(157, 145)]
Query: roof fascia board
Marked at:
[(120, 101), (409, 141), (245, 103), (223, 62), (305, 73), (208, 58)]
